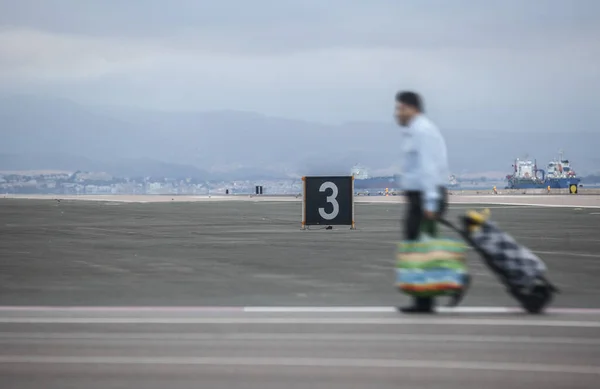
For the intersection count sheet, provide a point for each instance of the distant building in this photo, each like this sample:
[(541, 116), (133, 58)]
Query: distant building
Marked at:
[(360, 172)]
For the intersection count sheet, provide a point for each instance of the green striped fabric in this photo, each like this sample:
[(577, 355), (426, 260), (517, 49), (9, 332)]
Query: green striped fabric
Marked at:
[(430, 266), (455, 264), (429, 245), (430, 253)]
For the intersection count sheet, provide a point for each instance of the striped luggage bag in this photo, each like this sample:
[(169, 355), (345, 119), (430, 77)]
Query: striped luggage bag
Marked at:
[(431, 267)]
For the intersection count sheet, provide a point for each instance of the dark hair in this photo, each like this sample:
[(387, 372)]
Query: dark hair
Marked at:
[(410, 98)]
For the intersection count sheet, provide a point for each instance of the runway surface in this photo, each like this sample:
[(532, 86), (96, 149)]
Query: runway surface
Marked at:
[(234, 295), (245, 253), (187, 348)]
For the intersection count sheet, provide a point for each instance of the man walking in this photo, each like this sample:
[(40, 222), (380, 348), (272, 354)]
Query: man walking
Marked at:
[(424, 176)]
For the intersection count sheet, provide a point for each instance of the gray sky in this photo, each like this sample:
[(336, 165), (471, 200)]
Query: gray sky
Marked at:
[(513, 64)]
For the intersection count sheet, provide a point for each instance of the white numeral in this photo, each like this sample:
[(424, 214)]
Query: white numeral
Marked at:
[(330, 199)]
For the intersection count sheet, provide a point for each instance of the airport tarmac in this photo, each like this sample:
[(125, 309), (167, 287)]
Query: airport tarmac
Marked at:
[(191, 348), (232, 295), (253, 253)]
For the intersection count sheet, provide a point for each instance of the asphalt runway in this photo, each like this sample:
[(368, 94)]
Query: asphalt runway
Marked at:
[(243, 253), (134, 348), (101, 295)]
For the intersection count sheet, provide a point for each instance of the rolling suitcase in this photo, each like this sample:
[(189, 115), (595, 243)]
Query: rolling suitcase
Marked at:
[(519, 269)]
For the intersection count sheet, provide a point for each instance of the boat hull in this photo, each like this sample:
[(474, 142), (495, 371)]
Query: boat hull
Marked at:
[(553, 183)]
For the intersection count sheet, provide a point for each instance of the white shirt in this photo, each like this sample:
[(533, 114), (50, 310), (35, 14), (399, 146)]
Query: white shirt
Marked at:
[(425, 161)]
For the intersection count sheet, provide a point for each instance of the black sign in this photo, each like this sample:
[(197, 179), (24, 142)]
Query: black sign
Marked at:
[(328, 201), (573, 188)]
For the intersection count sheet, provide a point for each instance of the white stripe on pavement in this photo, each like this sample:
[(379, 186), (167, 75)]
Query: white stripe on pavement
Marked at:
[(527, 204), (383, 309), (350, 309)]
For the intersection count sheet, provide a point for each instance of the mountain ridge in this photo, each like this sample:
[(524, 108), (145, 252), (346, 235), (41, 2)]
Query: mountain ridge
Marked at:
[(228, 140)]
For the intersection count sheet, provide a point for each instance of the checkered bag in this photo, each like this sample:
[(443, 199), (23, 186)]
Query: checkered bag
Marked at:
[(431, 267), (518, 264)]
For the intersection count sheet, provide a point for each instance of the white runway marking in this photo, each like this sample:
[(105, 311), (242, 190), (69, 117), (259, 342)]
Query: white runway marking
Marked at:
[(308, 362), (470, 206), (561, 253), (460, 205), (566, 254), (533, 205), (350, 309), (319, 309)]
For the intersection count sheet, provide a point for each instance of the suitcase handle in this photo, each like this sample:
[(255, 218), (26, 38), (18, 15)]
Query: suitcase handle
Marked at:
[(464, 234)]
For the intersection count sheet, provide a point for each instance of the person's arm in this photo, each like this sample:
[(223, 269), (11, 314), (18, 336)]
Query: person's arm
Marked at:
[(429, 155)]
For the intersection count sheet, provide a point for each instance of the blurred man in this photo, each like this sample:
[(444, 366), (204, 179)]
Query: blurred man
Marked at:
[(424, 176)]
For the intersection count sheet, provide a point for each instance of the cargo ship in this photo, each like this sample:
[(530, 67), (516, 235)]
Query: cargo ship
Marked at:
[(558, 175)]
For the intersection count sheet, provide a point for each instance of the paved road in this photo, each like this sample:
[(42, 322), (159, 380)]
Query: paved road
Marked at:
[(136, 257), (134, 348), (245, 253)]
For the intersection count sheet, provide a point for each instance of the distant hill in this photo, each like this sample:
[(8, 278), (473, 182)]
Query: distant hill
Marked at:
[(126, 167), (47, 161), (591, 179), (227, 142), (142, 167)]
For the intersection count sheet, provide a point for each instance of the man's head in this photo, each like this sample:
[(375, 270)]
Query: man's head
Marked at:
[(408, 105)]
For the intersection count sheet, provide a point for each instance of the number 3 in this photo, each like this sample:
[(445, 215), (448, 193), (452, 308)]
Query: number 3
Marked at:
[(330, 199)]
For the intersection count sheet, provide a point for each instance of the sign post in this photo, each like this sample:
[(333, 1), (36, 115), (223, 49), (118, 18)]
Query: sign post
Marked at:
[(328, 201)]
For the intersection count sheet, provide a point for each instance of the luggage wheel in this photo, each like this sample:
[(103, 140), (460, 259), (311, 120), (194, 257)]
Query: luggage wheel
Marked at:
[(536, 300)]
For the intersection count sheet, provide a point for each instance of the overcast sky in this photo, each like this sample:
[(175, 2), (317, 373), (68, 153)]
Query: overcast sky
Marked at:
[(513, 64)]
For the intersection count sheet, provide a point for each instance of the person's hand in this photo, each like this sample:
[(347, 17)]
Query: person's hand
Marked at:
[(430, 215)]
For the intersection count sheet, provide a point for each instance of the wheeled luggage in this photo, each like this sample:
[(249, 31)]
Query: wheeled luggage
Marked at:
[(432, 267), (519, 269)]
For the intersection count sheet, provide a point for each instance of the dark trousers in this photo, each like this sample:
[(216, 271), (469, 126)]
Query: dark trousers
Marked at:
[(415, 223)]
